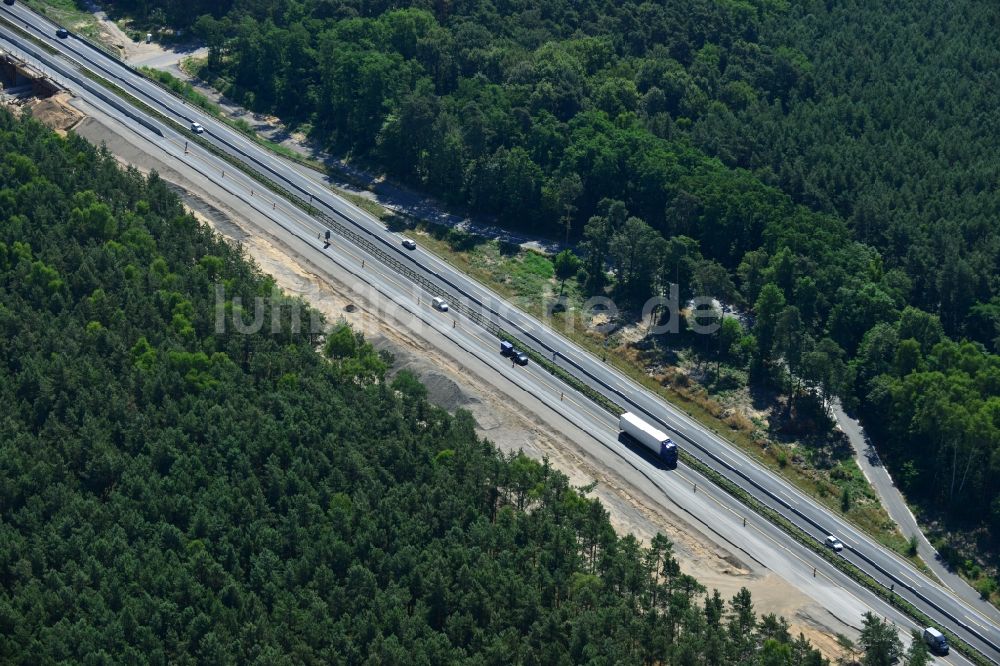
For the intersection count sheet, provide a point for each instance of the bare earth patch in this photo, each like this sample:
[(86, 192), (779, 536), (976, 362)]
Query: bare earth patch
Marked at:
[(452, 385), (55, 112)]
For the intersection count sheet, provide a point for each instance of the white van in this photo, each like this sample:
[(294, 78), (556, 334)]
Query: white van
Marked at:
[(936, 641)]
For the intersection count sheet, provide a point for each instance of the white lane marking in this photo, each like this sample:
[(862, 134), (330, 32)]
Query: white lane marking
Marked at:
[(974, 622), (241, 140)]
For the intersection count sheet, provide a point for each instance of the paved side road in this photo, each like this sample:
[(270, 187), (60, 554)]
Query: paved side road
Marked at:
[(895, 504), (950, 610)]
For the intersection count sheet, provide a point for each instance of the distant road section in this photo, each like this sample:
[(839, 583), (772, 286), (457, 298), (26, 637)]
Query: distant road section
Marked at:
[(475, 306), (894, 503)]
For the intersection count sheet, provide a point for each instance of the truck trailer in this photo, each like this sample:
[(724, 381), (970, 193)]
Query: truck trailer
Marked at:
[(653, 439)]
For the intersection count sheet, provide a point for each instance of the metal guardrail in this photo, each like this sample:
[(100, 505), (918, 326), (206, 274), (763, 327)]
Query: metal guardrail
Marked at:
[(492, 326), (489, 324)]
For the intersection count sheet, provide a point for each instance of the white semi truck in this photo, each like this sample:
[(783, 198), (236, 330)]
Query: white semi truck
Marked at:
[(653, 439)]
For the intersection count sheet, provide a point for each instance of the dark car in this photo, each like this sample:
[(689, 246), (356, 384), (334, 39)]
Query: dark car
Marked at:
[(62, 33), (8, 2), (520, 358)]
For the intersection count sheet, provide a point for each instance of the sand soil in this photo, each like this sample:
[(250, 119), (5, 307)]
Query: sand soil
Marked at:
[(451, 385)]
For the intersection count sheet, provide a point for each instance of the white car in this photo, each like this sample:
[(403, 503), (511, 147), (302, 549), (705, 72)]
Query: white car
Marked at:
[(197, 128), (409, 244), (440, 304), (834, 542)]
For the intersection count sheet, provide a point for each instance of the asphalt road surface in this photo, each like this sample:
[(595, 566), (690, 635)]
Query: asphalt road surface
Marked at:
[(476, 310), (879, 478)]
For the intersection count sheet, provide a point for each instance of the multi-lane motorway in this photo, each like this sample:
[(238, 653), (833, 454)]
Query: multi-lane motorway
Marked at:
[(415, 276)]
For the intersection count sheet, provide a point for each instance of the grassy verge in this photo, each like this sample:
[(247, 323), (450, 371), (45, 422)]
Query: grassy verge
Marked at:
[(960, 553), (723, 482), (66, 13), (182, 89), (526, 278), (186, 91), (367, 205), (888, 594), (197, 68)]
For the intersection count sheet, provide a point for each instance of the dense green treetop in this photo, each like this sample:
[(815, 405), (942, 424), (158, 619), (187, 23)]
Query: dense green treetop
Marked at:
[(173, 491), (832, 163)]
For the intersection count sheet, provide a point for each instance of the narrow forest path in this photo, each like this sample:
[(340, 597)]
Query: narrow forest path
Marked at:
[(895, 504)]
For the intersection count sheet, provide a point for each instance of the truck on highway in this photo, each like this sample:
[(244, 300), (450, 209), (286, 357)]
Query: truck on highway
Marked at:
[(653, 439), (516, 355), (936, 641)]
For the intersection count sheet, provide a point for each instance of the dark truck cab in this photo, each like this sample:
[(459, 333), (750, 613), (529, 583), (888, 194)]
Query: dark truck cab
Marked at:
[(507, 349)]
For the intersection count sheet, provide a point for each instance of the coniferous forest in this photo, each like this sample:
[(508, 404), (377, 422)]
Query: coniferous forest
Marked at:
[(173, 492), (829, 167)]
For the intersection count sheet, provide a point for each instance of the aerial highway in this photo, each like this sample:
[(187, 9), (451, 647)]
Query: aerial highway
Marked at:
[(481, 313)]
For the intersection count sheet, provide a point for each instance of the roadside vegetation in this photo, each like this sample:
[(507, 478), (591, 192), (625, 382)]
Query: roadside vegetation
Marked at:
[(182, 89), (186, 91), (176, 491), (825, 169), (816, 460), (67, 13)]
